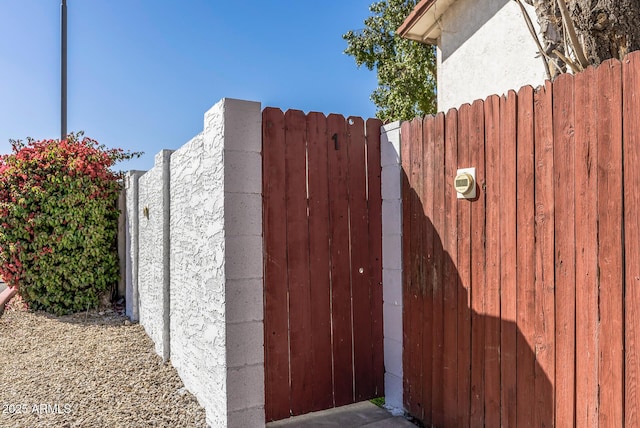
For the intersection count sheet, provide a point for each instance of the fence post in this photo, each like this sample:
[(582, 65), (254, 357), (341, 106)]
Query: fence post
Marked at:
[(153, 242), (131, 240), (392, 264), (217, 334)]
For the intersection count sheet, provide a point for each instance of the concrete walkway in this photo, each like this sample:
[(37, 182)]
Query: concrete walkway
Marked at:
[(363, 414)]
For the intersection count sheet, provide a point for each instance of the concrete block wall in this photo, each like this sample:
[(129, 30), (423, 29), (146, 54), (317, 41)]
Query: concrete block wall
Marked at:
[(153, 275), (211, 282), (392, 265), (131, 243)]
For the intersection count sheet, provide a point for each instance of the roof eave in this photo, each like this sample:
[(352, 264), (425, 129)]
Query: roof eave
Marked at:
[(422, 24)]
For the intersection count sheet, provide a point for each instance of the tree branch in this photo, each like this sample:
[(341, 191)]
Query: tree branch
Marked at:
[(532, 30), (571, 30)]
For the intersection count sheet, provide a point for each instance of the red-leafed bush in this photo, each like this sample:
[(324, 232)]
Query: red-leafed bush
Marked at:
[(59, 218)]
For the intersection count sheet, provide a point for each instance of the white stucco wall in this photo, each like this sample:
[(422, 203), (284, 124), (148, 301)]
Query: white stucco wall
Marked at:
[(485, 48), (131, 238), (216, 265), (152, 275), (392, 265)]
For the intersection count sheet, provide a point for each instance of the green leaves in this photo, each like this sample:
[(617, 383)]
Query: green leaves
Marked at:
[(406, 69), (58, 211)]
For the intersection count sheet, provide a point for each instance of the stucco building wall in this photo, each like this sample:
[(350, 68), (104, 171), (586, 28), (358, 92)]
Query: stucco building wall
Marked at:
[(485, 48)]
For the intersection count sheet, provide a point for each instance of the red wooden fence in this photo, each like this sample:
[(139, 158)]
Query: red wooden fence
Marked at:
[(323, 261), (522, 307)]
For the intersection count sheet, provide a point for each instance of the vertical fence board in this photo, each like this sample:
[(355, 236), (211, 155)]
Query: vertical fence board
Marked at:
[(631, 153), (374, 171), (564, 175), (360, 280), (298, 260), (340, 269), (543, 346), (586, 164), (478, 266), (317, 142), (610, 211), (437, 274), (416, 293), (493, 283), (526, 260), (277, 398), (464, 272), (508, 168), (450, 274), (426, 219), (407, 263)]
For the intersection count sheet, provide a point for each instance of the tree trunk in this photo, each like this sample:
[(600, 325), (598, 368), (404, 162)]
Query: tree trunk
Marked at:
[(605, 29)]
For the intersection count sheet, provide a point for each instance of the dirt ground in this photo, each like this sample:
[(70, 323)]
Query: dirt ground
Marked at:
[(92, 369)]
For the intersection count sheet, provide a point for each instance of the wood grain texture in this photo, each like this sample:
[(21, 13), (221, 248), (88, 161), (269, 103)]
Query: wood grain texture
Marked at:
[(507, 208), (610, 248), (298, 262), (526, 259), (426, 293), (374, 172), (438, 266), (319, 261), (450, 273), (276, 328), (543, 292), (478, 265), (631, 154), (492, 264), (464, 273), (586, 197), (340, 263), (360, 280)]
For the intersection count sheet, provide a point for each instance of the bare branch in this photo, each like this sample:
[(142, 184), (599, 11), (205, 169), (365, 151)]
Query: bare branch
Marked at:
[(543, 55), (571, 30)]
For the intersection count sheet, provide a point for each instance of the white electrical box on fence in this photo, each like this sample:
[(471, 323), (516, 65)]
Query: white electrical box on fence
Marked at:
[(465, 183)]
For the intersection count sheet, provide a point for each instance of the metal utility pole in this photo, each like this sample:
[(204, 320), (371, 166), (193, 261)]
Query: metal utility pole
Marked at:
[(63, 70)]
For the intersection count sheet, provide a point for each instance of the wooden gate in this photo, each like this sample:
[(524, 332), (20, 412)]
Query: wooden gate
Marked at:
[(322, 261)]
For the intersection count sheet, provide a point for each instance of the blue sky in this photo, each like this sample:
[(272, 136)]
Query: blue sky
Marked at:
[(142, 73)]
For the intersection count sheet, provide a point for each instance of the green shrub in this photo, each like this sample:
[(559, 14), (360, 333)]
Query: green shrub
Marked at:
[(59, 218)]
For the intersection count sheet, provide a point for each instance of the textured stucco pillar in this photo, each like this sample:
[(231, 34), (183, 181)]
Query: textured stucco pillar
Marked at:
[(131, 238), (217, 343), (392, 265), (153, 254)]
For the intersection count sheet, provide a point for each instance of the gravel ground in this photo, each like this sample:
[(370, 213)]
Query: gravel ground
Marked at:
[(91, 369)]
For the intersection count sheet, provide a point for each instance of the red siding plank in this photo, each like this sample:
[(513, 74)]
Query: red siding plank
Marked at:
[(407, 263), (491, 313), (318, 142), (526, 249), (464, 272), (610, 211), (450, 274), (478, 272), (425, 217), (586, 157), (508, 168), (542, 347), (564, 178), (341, 284), (416, 255), (360, 280), (277, 398), (438, 220), (374, 172), (631, 153), (298, 261)]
